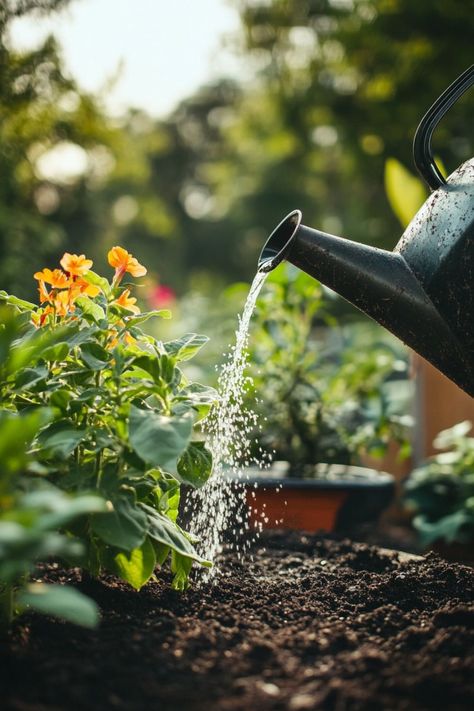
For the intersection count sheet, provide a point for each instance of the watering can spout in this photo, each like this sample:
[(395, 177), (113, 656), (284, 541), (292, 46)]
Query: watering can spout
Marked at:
[(379, 283), (423, 291)]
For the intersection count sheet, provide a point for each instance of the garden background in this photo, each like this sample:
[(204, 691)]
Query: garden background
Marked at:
[(320, 115)]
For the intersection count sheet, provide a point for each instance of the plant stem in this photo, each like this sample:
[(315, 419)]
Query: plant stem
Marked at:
[(98, 458)]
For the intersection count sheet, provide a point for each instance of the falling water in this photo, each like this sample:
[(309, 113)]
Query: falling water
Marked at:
[(228, 428)]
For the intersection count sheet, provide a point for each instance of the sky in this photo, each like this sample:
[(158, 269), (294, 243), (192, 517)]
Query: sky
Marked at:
[(161, 50)]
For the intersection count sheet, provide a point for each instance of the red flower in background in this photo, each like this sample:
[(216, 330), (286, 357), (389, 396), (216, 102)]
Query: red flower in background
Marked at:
[(161, 296)]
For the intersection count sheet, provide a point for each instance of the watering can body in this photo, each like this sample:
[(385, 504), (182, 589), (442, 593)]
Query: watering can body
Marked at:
[(423, 290)]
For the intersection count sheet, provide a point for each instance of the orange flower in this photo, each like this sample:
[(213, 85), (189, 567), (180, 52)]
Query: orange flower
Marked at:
[(39, 317), (112, 338), (63, 303), (123, 262), (127, 302), (44, 294), (81, 286), (74, 264), (129, 339), (57, 278)]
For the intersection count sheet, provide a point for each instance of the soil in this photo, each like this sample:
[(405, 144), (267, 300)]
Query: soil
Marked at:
[(310, 623)]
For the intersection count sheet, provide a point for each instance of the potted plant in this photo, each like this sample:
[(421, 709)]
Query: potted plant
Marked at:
[(326, 395), (441, 494)]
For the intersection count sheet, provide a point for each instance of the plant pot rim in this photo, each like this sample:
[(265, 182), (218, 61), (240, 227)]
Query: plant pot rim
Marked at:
[(333, 476)]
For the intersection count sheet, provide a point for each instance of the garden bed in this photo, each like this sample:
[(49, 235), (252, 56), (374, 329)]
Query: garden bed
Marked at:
[(309, 623)]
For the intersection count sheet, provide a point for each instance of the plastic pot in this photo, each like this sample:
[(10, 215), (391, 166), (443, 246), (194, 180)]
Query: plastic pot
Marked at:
[(339, 499)]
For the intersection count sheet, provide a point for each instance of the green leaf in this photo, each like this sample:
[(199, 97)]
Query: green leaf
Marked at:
[(185, 347), (406, 193), (60, 398), (162, 530), (58, 508), (156, 438), (136, 567), (199, 397), (89, 395), (57, 352), (16, 434), (90, 309), (103, 438), (199, 394), (94, 356), (15, 301), (150, 364), (457, 526), (83, 335), (161, 552), (141, 318), (96, 280), (161, 368), (181, 567), (60, 439), (60, 601), (31, 346), (195, 465), (125, 527), (28, 377)]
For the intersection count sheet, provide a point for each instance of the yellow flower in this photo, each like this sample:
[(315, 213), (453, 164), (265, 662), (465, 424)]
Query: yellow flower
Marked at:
[(129, 339), (38, 318), (112, 338), (44, 294), (75, 265), (63, 303), (81, 286), (123, 261), (127, 302), (57, 278)]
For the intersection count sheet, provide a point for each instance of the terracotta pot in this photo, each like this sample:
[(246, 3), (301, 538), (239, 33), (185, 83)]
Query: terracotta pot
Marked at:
[(345, 497)]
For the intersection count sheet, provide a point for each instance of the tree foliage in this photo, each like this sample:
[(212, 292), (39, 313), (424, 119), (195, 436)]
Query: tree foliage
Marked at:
[(338, 87), (343, 84), (42, 110)]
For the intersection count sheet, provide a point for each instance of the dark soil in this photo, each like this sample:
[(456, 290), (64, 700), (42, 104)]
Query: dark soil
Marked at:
[(309, 624)]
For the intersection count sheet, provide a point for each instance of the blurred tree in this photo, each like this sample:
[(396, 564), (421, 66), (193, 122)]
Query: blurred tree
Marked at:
[(339, 86), (161, 195), (17, 8), (342, 85), (52, 144)]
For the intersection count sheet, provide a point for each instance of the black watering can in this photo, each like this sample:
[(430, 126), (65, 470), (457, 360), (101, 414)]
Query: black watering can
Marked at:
[(423, 291)]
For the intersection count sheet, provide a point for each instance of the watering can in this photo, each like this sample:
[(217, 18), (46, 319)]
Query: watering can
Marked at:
[(423, 291)]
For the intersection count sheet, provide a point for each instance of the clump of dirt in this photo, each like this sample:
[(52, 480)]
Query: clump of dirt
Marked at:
[(308, 623)]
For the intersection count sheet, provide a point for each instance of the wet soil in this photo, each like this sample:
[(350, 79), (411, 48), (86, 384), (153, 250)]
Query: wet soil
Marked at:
[(310, 623)]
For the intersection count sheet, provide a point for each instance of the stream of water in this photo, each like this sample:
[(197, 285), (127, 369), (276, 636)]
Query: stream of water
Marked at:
[(220, 504)]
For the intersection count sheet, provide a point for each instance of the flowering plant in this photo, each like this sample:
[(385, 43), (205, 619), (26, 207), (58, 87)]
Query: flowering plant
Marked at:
[(123, 414)]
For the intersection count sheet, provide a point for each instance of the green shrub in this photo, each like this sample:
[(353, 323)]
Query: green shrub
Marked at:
[(32, 511), (325, 395), (441, 490)]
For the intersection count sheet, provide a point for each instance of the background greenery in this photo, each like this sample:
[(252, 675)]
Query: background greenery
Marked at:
[(338, 87)]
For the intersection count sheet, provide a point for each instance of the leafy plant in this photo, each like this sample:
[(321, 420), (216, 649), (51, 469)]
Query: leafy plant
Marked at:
[(32, 513), (441, 490), (123, 414), (322, 401)]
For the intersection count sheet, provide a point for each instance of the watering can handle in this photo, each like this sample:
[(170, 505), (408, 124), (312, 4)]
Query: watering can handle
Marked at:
[(422, 155)]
